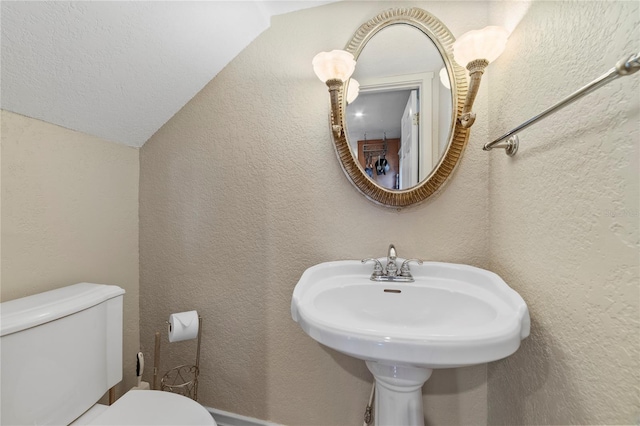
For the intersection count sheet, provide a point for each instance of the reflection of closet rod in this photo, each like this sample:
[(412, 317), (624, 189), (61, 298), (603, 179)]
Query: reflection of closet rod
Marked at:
[(624, 67), (375, 149)]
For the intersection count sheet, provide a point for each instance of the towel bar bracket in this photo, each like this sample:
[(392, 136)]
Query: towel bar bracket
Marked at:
[(510, 145)]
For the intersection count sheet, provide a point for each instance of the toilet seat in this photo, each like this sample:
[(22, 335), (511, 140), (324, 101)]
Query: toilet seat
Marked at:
[(147, 407)]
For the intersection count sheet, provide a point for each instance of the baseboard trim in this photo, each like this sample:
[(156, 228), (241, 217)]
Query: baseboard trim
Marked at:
[(225, 418)]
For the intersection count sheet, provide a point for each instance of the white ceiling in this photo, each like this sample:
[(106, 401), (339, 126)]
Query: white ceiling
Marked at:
[(120, 70)]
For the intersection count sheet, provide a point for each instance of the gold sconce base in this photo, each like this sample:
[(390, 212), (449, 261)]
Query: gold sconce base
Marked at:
[(467, 119)]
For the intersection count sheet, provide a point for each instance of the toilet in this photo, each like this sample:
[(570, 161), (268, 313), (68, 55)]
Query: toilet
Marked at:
[(61, 351)]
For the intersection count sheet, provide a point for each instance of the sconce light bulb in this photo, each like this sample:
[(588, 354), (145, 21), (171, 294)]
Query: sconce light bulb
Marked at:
[(353, 90), (334, 65), (487, 43), (444, 78)]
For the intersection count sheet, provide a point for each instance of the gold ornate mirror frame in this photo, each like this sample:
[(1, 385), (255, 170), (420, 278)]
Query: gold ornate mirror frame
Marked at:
[(443, 40)]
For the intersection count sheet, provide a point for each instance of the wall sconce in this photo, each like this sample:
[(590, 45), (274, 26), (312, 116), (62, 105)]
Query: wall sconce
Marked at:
[(475, 50), (334, 68)]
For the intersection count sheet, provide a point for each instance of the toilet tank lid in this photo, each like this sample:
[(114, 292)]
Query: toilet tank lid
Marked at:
[(21, 314)]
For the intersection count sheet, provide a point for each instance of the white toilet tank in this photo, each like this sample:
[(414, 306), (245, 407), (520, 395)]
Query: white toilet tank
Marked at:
[(60, 351)]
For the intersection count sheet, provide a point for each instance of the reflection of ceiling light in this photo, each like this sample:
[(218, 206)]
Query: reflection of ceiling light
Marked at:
[(353, 90), (359, 114), (444, 78)]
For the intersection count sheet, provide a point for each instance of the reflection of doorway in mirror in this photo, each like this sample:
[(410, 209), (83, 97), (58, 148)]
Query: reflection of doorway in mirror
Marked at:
[(410, 153), (374, 151), (379, 109)]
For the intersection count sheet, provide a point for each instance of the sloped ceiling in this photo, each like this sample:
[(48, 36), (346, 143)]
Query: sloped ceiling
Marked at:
[(120, 70)]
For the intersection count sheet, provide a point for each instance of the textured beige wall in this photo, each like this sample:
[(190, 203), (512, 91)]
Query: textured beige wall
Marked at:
[(69, 214), (241, 192), (564, 218)]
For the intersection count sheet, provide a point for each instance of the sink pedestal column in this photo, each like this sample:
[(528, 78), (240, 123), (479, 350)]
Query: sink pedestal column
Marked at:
[(398, 398)]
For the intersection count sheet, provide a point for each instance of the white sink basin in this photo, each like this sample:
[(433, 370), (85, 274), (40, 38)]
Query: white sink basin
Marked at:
[(451, 316)]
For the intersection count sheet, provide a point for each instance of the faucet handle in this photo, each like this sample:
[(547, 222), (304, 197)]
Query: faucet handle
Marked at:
[(377, 267), (404, 268)]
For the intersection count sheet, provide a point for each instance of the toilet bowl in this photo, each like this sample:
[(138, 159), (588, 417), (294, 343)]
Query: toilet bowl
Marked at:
[(147, 407), (62, 350)]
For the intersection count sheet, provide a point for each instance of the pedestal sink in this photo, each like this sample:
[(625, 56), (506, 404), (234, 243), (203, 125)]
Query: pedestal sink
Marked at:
[(451, 316)]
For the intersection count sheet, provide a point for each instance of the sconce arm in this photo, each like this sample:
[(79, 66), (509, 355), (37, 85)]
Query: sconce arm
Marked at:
[(335, 90), (476, 69)]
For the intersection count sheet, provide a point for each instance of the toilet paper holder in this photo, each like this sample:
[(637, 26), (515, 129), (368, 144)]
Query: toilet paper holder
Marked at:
[(182, 379)]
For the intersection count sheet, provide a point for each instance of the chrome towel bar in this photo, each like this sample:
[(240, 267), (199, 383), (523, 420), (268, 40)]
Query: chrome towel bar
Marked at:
[(509, 141)]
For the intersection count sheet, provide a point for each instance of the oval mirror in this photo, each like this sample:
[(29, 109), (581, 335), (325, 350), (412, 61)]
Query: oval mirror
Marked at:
[(401, 139), (402, 118)]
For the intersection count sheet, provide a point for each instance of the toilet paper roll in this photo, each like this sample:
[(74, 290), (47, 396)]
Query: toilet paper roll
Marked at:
[(183, 326)]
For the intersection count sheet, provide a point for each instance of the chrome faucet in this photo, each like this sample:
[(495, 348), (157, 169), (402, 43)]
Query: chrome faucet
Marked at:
[(392, 266), (390, 271)]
